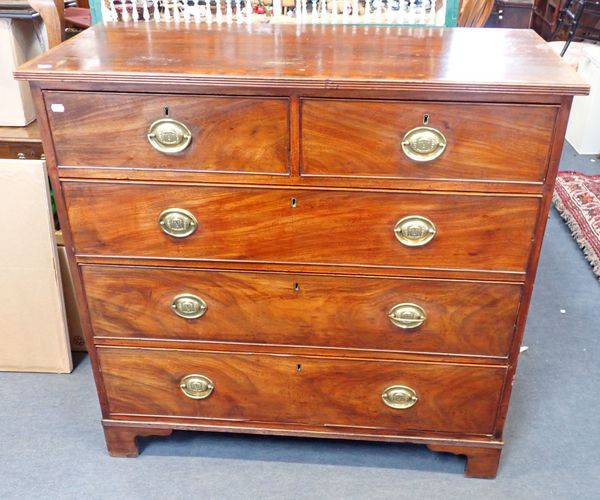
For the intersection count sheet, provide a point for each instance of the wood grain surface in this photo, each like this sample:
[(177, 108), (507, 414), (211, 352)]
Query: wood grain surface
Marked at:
[(302, 390), (342, 58), (499, 142), (302, 310), (329, 227), (228, 134)]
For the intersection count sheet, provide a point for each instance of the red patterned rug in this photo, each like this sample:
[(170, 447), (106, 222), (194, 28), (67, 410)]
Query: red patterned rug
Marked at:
[(577, 199)]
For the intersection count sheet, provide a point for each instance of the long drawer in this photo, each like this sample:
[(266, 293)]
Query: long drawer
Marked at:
[(494, 142), (444, 231), (226, 134), (416, 315), (301, 390)]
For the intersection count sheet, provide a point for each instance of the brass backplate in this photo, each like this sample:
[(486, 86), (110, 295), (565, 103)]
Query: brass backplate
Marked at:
[(188, 306), (414, 231), (177, 222), (196, 386), (169, 136), (407, 316), (399, 397), (423, 144)]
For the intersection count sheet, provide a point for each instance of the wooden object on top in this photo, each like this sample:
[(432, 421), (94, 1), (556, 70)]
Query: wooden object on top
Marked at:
[(21, 142), (310, 57), (319, 231), (53, 15)]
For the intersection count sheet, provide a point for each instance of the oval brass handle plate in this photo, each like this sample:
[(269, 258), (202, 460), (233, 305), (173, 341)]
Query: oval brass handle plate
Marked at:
[(423, 144), (414, 231), (407, 316), (177, 222), (399, 397), (196, 386), (169, 136), (188, 306)]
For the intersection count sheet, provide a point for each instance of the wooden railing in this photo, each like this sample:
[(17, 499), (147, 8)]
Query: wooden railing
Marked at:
[(379, 12)]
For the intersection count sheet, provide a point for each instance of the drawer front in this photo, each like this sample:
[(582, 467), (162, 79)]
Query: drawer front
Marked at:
[(495, 142), (228, 134), (303, 310), (302, 226), (301, 390)]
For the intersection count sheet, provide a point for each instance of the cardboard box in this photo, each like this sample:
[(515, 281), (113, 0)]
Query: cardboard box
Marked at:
[(33, 324), (76, 336), (20, 41)]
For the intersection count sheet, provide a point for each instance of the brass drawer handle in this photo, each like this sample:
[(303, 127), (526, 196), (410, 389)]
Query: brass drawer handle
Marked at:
[(414, 231), (399, 397), (196, 386), (169, 136), (188, 306), (178, 222), (423, 144), (407, 316)]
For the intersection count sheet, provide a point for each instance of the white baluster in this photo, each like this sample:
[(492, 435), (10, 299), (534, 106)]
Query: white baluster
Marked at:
[(324, 10), (124, 13), (176, 13), (186, 11), (219, 13), (367, 14), (389, 12), (105, 12), (313, 12), (345, 9), (248, 11), (145, 12), (334, 11), (134, 12), (238, 11), (354, 11), (167, 13), (378, 11), (229, 11), (207, 11)]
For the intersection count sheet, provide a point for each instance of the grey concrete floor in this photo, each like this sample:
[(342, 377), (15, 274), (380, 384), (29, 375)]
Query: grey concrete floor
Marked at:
[(52, 446)]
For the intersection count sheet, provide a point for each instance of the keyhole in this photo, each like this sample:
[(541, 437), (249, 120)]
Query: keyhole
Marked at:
[(425, 119), (166, 110), (298, 367), (296, 287), (294, 202)]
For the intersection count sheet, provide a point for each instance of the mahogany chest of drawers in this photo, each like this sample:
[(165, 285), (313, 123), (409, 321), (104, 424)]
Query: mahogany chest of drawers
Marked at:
[(312, 231)]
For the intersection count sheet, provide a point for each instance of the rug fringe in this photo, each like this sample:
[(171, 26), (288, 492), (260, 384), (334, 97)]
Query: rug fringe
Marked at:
[(588, 251)]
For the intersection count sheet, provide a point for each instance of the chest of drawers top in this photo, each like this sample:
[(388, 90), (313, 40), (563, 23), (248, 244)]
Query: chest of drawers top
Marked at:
[(270, 58)]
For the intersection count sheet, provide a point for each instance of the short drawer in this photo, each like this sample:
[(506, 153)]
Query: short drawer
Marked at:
[(226, 134), (292, 389), (483, 142), (303, 226), (395, 314)]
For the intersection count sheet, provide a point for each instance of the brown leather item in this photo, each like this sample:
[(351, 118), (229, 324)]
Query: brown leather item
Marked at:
[(322, 231)]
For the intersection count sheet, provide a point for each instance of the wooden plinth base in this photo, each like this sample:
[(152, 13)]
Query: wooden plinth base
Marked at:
[(120, 441), (482, 462)]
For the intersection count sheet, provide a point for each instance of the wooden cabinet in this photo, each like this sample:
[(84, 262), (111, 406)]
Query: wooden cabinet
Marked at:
[(545, 16), (333, 234)]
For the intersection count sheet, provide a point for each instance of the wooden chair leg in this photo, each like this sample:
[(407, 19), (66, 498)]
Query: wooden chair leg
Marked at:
[(481, 462), (120, 441)]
